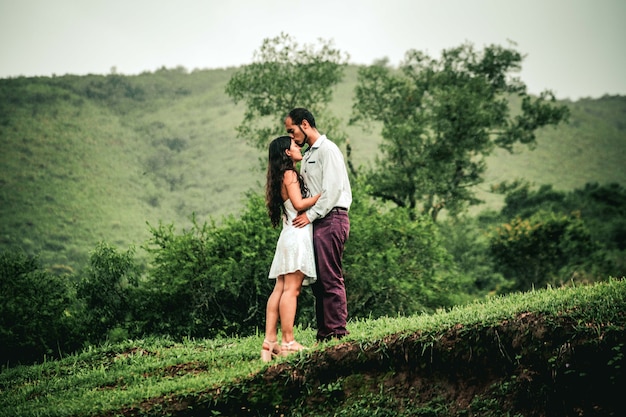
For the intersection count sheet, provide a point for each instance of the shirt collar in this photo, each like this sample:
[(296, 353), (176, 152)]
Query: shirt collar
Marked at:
[(318, 142)]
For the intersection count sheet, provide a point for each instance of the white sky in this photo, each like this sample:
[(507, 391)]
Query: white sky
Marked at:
[(573, 47)]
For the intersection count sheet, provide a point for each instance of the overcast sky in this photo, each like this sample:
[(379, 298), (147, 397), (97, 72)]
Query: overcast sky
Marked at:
[(573, 47)]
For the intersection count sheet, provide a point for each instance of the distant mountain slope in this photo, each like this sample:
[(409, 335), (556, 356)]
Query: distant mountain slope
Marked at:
[(90, 158)]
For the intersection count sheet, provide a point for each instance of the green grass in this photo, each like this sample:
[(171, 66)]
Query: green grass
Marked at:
[(163, 377)]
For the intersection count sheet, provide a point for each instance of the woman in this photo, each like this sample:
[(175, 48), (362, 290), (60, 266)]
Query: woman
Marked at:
[(294, 262)]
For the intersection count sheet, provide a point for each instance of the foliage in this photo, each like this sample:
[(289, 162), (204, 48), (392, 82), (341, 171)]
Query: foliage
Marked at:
[(441, 119), (553, 352), (467, 241), (211, 280), (602, 209), (106, 289), (394, 265), (546, 248), (284, 76), (35, 310), (203, 276)]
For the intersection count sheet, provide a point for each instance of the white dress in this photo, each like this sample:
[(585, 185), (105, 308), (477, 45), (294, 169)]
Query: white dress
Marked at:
[(294, 250)]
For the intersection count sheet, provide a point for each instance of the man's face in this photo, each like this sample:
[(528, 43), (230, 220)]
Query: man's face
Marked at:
[(295, 132)]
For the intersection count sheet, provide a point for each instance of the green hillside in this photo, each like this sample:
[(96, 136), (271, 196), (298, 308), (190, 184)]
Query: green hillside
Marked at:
[(90, 158), (590, 148)]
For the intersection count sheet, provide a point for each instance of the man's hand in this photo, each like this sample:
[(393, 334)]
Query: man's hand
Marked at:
[(301, 220)]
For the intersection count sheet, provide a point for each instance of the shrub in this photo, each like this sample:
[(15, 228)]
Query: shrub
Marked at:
[(35, 310), (106, 291), (467, 241), (547, 248), (395, 265), (211, 280)]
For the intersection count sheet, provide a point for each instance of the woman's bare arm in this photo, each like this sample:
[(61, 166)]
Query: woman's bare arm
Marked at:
[(290, 182)]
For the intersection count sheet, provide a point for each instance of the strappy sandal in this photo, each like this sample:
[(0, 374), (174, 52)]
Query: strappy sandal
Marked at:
[(291, 347), (269, 350)]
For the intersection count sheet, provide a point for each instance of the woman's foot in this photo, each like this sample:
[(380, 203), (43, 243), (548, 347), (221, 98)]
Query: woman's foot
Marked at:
[(269, 350), (291, 347)]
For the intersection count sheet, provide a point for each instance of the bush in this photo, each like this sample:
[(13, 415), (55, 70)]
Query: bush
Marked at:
[(600, 208), (106, 291), (467, 241), (211, 280), (547, 248), (395, 265), (35, 310)]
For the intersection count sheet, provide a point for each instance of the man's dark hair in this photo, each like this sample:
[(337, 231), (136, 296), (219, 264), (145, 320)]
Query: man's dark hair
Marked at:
[(299, 114)]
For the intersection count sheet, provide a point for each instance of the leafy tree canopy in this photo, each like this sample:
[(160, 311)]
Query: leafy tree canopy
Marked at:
[(283, 76), (441, 118)]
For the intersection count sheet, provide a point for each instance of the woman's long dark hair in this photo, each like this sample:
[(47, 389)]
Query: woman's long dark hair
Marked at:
[(278, 163)]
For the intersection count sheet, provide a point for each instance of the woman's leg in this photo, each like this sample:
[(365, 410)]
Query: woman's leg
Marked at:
[(271, 347), (271, 311), (289, 304)]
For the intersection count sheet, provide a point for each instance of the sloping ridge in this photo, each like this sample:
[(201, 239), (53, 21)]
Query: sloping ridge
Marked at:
[(551, 367), (531, 364)]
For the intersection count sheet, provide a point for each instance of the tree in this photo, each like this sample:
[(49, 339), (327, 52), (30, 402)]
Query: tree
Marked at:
[(284, 76), (441, 118)]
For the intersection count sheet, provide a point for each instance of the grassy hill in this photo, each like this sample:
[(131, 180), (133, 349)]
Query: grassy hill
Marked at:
[(91, 158), (554, 352)]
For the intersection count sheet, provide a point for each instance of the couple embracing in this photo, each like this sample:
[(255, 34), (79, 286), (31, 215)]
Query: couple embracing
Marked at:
[(312, 206)]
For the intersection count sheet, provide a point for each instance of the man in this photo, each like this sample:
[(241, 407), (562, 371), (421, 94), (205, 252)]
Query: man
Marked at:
[(324, 171)]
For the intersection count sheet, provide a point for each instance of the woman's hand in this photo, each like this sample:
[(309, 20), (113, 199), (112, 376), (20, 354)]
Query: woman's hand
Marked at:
[(301, 220)]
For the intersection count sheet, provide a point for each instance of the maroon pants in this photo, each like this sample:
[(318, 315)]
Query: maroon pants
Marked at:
[(331, 308)]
